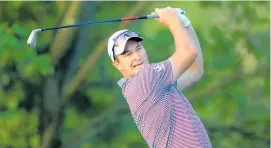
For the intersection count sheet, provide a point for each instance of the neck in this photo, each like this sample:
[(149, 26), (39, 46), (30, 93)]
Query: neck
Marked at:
[(124, 75)]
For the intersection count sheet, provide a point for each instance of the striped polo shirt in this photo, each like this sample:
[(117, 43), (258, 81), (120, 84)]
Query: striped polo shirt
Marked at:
[(163, 115)]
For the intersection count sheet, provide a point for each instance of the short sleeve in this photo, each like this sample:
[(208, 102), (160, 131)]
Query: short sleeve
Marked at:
[(155, 77)]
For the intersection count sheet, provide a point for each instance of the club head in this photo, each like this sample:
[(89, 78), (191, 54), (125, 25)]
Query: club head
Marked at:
[(32, 39)]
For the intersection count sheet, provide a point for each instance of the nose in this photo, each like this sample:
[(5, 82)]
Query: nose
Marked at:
[(135, 55)]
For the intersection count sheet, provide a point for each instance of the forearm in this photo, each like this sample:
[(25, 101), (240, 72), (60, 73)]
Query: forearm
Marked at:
[(183, 43), (196, 70), (185, 52)]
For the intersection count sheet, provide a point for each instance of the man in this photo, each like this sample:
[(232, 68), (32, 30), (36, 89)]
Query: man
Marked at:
[(163, 115)]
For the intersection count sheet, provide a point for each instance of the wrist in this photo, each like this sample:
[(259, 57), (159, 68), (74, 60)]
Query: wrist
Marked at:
[(185, 21), (175, 26), (182, 16)]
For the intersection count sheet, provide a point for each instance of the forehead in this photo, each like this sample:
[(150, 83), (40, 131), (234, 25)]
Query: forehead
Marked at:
[(132, 44)]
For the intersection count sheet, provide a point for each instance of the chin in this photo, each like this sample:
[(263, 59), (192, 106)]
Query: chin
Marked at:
[(138, 68)]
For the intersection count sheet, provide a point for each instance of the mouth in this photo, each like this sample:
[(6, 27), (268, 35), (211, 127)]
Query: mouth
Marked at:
[(138, 64)]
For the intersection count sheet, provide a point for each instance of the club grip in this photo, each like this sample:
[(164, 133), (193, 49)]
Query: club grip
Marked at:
[(152, 16)]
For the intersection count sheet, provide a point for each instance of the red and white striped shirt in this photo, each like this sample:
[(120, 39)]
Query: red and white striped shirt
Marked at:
[(163, 115)]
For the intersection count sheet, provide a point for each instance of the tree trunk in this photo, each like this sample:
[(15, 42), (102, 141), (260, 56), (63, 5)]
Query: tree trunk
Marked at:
[(51, 117), (50, 105)]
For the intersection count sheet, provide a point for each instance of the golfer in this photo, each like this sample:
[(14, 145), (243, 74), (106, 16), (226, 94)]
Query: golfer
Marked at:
[(163, 115)]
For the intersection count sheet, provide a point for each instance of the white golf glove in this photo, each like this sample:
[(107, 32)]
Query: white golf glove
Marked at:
[(184, 19)]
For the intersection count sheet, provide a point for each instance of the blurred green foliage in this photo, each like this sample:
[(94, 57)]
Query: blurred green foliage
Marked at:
[(232, 99)]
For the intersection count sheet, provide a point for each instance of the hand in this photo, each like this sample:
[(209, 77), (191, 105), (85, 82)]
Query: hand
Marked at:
[(167, 16)]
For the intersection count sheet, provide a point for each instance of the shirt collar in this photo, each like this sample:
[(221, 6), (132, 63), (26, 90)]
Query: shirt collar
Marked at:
[(122, 81)]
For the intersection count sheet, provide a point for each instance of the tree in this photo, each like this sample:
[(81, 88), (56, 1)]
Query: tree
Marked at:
[(64, 93)]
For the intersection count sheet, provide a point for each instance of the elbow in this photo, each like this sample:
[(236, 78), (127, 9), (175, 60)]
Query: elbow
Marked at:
[(193, 53), (200, 73), (199, 70)]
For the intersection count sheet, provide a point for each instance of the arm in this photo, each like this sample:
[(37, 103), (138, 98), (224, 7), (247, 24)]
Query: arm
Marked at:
[(195, 72), (185, 51)]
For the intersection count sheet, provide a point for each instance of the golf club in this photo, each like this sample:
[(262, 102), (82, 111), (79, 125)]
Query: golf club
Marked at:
[(32, 39)]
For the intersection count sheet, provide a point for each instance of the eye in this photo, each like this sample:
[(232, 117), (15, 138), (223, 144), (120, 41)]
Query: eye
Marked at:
[(138, 48)]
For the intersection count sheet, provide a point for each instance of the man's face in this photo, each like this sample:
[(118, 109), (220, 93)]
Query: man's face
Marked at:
[(132, 59)]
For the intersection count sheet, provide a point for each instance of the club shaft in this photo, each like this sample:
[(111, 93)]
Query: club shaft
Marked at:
[(100, 22)]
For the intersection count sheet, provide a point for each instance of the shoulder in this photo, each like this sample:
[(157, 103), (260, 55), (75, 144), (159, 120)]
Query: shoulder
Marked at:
[(155, 67)]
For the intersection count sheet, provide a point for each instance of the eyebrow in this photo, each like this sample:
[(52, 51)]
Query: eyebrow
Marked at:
[(125, 51)]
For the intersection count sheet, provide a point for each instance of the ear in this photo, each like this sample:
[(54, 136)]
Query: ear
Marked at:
[(116, 63)]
